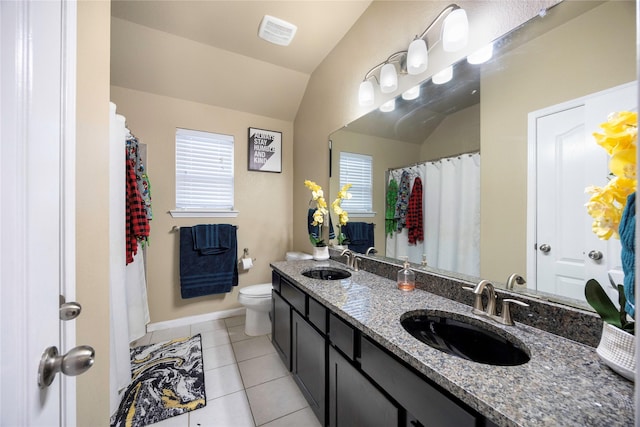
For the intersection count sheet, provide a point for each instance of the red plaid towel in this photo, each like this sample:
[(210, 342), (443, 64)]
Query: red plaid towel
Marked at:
[(414, 213), (136, 215)]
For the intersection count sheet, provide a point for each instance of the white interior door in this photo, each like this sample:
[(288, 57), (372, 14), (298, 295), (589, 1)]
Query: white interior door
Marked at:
[(565, 250), (37, 250)]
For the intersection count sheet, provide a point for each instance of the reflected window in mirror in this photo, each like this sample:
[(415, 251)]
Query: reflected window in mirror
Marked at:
[(357, 170)]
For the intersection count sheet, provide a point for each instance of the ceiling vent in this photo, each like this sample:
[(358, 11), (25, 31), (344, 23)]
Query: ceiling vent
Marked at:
[(276, 30)]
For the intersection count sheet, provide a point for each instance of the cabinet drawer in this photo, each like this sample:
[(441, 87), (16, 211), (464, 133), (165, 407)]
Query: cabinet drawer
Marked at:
[(294, 296), (428, 404), (343, 336), (318, 315)]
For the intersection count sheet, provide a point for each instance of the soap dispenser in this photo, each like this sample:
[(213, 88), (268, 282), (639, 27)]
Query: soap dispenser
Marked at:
[(406, 277)]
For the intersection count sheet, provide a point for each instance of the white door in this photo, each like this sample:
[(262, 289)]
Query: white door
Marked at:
[(37, 253), (565, 250)]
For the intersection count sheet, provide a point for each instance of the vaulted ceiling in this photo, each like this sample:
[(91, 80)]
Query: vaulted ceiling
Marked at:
[(209, 51)]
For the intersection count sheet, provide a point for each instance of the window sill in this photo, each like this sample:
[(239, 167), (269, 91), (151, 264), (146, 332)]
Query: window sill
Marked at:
[(362, 214), (194, 213)]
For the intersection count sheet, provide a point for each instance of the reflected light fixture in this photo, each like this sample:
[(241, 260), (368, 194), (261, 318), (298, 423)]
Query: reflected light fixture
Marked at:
[(412, 93), (388, 106), (415, 60), (443, 76), (481, 55)]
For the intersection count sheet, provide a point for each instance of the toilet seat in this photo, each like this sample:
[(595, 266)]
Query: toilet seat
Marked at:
[(257, 291)]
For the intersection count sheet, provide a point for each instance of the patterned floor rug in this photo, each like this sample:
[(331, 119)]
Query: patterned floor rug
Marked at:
[(167, 380)]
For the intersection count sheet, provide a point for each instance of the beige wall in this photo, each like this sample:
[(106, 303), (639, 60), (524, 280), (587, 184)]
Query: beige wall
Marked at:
[(524, 87), (263, 199), (458, 133), (92, 208), (386, 153), (330, 100)]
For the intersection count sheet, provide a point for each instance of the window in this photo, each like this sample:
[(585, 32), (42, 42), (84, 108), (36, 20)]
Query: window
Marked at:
[(356, 169), (204, 174)]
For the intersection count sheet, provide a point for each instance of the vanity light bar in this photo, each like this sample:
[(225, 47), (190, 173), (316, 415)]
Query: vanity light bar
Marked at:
[(414, 60)]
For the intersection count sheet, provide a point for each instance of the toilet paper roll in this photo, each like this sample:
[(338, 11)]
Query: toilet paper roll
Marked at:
[(247, 263)]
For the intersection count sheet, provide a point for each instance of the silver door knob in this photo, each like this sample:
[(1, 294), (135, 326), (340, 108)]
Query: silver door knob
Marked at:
[(595, 255), (70, 310), (77, 361), (545, 248)]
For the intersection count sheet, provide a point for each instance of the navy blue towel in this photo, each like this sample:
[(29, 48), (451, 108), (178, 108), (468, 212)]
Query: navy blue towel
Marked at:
[(360, 235), (212, 239), (315, 229), (207, 274)]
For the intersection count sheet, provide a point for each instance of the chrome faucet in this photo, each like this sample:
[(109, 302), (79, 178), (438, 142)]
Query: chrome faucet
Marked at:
[(515, 279), (351, 257), (478, 307), (371, 250), (356, 261), (490, 310)]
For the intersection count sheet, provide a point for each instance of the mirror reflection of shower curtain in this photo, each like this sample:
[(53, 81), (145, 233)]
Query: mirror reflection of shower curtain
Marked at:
[(451, 191)]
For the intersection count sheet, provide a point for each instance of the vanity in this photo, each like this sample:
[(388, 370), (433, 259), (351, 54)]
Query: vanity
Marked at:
[(344, 344)]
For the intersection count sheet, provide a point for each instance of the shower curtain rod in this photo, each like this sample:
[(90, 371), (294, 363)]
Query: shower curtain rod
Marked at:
[(434, 160)]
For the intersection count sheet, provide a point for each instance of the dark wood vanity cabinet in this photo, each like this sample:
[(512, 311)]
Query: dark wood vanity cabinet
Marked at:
[(347, 378), (298, 326), (308, 363), (353, 400), (281, 327)]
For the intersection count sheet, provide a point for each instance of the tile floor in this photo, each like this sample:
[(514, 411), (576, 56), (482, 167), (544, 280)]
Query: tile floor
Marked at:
[(246, 382)]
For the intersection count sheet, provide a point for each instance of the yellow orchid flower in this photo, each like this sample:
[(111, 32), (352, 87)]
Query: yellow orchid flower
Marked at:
[(623, 163), (343, 217), (607, 203), (620, 132)]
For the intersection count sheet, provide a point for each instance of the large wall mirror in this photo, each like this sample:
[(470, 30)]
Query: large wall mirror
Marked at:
[(575, 50)]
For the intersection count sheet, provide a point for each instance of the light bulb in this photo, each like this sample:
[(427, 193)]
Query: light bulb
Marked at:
[(481, 55), (388, 106), (388, 78), (412, 93), (365, 93), (443, 76), (455, 31), (417, 57)]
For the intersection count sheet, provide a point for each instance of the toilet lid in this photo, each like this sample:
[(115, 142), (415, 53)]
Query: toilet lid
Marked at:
[(257, 290)]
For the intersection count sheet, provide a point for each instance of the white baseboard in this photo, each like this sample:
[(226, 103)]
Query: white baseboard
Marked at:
[(183, 321)]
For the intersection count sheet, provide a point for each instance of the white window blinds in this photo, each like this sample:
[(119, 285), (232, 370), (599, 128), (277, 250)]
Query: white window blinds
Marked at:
[(204, 170), (356, 169)]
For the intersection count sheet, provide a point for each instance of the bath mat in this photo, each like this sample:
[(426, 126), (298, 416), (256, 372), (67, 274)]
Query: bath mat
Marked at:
[(167, 380)]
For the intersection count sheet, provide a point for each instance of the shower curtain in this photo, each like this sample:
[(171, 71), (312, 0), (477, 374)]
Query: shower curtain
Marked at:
[(451, 215), (129, 312)]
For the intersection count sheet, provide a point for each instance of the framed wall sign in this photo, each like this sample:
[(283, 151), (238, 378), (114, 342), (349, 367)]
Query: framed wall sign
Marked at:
[(265, 150)]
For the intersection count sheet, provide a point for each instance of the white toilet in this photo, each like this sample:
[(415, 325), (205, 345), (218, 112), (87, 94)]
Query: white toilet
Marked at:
[(257, 301)]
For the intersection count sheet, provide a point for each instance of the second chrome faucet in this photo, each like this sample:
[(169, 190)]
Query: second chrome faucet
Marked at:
[(490, 310)]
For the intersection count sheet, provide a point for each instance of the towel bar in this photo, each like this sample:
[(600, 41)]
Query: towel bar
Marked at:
[(176, 228)]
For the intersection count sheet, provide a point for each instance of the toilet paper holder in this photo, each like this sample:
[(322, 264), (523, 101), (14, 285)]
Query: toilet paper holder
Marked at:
[(246, 254), (246, 262)]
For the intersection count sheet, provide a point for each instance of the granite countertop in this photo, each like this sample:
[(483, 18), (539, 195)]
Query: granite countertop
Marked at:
[(564, 383)]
